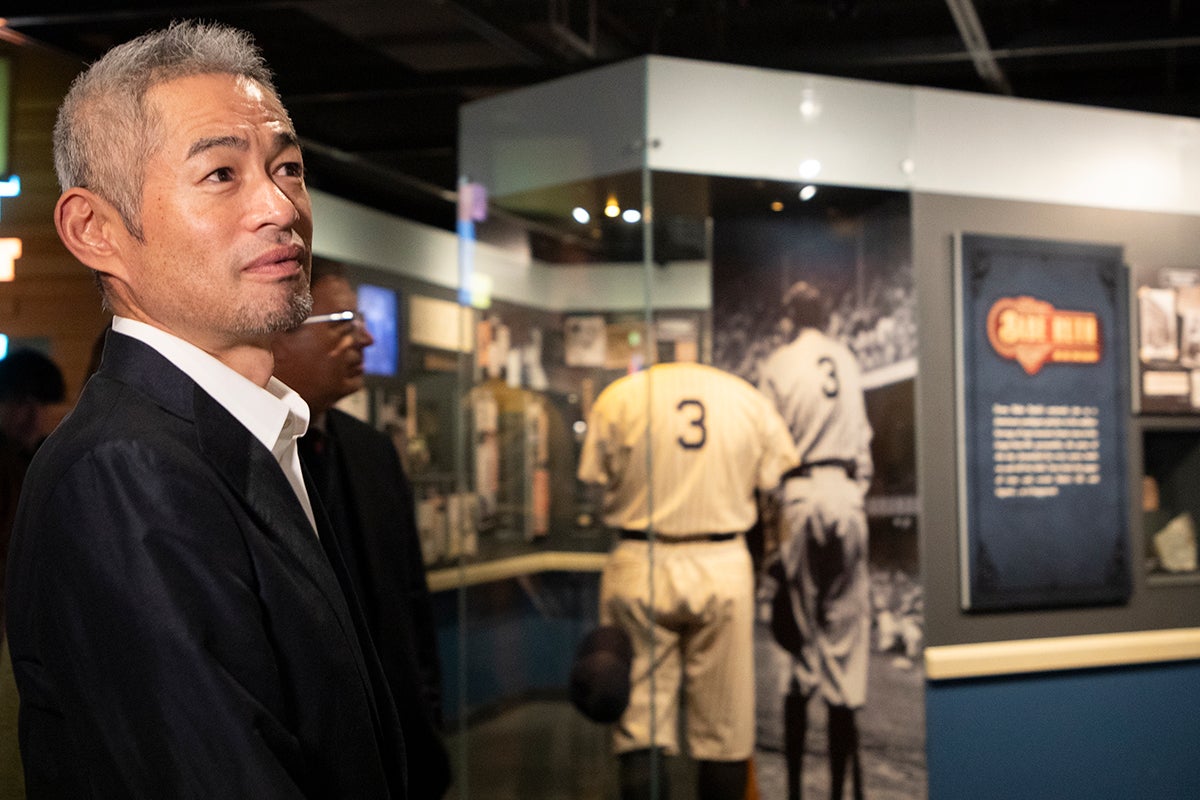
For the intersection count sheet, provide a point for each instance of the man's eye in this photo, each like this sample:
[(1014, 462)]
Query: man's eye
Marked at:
[(221, 175), (292, 169)]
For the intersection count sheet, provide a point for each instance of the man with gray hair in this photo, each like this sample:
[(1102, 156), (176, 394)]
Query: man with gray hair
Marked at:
[(179, 621)]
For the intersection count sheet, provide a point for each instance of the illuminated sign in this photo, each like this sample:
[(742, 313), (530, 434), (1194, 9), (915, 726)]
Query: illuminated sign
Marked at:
[(5, 106), (10, 251), (1033, 332), (11, 186)]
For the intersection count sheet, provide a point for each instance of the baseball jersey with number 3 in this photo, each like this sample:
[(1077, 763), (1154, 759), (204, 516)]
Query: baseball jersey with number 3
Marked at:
[(690, 441), (816, 384)]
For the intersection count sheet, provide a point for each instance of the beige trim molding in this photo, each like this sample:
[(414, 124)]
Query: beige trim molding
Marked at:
[(1061, 653), (505, 568)]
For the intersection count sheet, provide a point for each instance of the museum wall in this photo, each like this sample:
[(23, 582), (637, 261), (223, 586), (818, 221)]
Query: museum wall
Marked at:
[(1165, 240), (1111, 731), (1105, 733)]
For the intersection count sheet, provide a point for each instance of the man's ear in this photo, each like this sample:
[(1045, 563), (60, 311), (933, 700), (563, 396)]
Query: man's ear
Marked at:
[(93, 231)]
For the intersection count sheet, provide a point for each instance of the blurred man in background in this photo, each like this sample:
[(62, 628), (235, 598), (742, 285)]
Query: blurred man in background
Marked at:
[(363, 487), (29, 384)]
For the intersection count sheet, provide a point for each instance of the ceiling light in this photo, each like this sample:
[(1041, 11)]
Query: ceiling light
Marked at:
[(810, 106), (810, 168), (631, 215), (808, 193), (611, 209), (581, 215)]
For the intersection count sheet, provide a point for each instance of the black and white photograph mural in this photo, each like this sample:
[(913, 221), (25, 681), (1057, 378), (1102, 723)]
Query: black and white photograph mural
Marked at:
[(813, 302)]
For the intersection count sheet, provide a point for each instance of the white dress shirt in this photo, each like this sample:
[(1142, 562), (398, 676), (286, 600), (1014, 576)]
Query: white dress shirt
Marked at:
[(276, 415)]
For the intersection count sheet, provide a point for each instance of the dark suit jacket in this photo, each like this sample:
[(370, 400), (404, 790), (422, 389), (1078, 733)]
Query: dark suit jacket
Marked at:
[(177, 630), (376, 527)]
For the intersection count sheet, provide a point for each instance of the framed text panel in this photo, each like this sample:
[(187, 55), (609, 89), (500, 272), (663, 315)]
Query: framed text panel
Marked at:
[(1042, 366)]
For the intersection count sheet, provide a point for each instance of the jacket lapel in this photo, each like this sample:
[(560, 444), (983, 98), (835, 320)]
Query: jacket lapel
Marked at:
[(243, 462), (252, 473)]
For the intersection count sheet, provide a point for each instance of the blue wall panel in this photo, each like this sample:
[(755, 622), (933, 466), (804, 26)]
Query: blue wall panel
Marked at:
[(1091, 734)]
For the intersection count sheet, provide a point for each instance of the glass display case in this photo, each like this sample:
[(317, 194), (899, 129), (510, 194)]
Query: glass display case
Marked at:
[(1170, 503), (1167, 399), (661, 211), (605, 227)]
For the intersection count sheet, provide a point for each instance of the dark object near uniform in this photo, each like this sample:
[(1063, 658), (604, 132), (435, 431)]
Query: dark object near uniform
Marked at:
[(600, 675)]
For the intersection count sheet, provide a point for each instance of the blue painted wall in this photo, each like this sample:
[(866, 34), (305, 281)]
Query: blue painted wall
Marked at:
[(1128, 733)]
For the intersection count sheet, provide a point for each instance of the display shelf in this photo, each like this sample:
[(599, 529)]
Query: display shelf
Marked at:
[(1156, 578), (1170, 460), (505, 568)]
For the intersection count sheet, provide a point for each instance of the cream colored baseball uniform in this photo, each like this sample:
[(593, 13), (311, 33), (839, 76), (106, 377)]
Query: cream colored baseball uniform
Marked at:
[(815, 383), (680, 450)]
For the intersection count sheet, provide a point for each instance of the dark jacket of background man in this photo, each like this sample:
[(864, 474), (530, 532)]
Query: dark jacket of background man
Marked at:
[(375, 525), (361, 482)]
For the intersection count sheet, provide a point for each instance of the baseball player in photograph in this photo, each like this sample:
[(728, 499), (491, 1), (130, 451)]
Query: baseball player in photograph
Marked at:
[(680, 450), (815, 383)]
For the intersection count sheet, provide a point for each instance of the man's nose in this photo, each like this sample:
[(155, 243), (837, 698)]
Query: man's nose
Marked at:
[(362, 336), (272, 205)]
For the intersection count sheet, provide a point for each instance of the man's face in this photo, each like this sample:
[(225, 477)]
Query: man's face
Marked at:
[(323, 361), (226, 217)]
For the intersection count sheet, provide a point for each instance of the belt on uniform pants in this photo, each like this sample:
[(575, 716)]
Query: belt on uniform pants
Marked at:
[(805, 470), (643, 536)]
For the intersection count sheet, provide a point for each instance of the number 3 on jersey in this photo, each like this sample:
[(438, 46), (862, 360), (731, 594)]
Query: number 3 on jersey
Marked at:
[(692, 439), (829, 385)]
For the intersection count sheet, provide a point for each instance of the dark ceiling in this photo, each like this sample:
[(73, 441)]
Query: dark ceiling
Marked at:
[(374, 86)]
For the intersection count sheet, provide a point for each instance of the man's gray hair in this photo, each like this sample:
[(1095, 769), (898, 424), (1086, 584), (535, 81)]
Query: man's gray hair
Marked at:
[(105, 133)]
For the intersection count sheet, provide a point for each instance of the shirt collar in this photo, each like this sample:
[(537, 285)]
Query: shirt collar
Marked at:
[(274, 415)]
